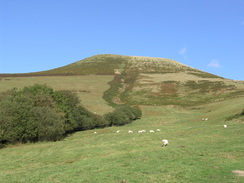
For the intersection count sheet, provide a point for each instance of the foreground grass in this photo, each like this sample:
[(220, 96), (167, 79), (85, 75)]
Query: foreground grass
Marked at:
[(199, 151)]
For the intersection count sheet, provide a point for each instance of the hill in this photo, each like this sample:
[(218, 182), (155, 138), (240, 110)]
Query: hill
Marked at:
[(151, 81), (199, 150)]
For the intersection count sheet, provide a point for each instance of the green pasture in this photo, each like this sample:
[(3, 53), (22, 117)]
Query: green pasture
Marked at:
[(89, 88), (198, 151)]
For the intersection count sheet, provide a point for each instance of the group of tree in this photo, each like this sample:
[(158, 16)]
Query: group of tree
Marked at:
[(123, 115), (38, 113)]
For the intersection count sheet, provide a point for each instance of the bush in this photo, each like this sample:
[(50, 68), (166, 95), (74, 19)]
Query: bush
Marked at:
[(127, 111), (49, 125), (117, 118), (38, 113), (14, 121), (136, 111), (122, 115)]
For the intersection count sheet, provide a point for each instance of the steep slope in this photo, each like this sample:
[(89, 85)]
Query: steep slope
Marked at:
[(152, 81)]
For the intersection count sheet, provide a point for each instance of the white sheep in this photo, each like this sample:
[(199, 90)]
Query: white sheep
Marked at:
[(225, 126), (130, 131), (140, 131), (158, 130), (143, 131), (165, 142), (118, 131), (206, 119), (95, 132), (151, 131)]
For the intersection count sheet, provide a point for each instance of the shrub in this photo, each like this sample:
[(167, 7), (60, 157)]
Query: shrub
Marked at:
[(122, 115), (127, 111), (100, 122), (136, 111), (49, 125), (117, 118), (38, 113), (14, 121)]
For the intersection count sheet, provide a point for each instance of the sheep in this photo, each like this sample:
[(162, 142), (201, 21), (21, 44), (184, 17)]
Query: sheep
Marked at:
[(143, 131), (140, 131), (95, 132), (165, 142), (158, 130), (151, 131), (225, 126), (206, 119), (130, 131), (118, 131)]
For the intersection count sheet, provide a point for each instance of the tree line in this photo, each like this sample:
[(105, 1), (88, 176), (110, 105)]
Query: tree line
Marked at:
[(38, 113)]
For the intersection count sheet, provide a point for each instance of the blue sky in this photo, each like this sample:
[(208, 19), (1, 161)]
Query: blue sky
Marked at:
[(37, 35)]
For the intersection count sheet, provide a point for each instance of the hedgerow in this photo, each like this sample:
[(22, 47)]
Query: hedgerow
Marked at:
[(38, 113), (123, 115)]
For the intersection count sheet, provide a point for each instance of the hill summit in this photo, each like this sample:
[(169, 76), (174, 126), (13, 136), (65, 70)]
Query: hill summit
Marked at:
[(109, 63)]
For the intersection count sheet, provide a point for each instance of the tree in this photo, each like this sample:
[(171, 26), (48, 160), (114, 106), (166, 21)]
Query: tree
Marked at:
[(14, 123), (50, 126)]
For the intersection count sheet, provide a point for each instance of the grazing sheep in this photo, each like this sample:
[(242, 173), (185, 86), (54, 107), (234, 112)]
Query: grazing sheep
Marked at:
[(95, 132), (203, 119), (151, 131), (165, 142), (143, 131), (158, 130), (206, 119), (118, 131), (225, 126), (140, 131), (130, 131)]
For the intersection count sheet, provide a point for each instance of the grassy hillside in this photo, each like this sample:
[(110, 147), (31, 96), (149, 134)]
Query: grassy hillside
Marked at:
[(149, 81), (89, 88), (173, 97), (198, 151)]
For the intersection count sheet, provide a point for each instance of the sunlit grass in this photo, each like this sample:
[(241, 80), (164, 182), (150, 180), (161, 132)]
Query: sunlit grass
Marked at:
[(199, 151), (89, 88)]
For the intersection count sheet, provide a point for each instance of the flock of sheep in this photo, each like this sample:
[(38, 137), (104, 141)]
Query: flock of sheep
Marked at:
[(142, 131), (165, 142), (205, 119)]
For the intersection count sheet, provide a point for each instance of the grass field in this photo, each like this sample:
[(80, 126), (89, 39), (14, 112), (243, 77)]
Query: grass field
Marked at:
[(198, 151), (139, 81), (89, 88)]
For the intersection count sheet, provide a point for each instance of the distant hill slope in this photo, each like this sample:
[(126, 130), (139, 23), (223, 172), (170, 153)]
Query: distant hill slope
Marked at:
[(152, 81), (109, 63)]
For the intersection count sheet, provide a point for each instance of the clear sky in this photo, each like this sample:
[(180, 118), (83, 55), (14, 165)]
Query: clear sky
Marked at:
[(37, 35)]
